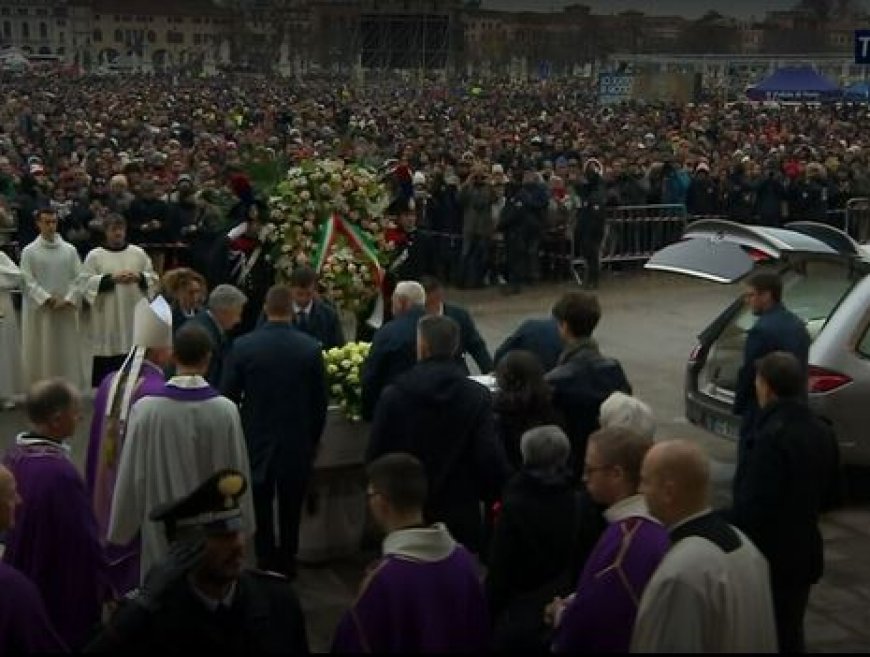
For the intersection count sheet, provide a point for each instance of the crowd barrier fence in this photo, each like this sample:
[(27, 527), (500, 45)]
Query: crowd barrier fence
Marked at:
[(633, 233)]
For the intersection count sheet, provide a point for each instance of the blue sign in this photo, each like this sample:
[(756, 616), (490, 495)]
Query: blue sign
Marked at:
[(614, 89), (862, 46)]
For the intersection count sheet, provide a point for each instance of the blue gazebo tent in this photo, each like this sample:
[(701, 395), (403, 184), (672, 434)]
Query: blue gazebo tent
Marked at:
[(857, 91), (795, 84)]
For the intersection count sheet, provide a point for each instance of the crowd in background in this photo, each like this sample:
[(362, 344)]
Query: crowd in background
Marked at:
[(164, 150)]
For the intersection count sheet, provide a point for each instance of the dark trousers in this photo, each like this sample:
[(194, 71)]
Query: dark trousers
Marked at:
[(279, 553), (590, 249), (516, 260), (103, 365), (789, 607), (473, 265)]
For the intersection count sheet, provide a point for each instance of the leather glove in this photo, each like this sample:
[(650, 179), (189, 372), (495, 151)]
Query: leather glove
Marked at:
[(182, 558)]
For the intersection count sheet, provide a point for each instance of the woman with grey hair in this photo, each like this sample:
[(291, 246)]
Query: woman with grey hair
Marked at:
[(625, 411), (531, 555)]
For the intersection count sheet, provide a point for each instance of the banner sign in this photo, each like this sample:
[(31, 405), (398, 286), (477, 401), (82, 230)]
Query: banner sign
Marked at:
[(614, 88)]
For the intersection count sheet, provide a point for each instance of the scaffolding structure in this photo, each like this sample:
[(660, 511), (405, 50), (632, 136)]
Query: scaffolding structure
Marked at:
[(379, 36)]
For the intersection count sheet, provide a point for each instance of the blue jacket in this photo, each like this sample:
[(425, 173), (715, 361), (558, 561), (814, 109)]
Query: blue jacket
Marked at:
[(778, 329), (540, 336), (276, 375), (676, 188), (393, 352)]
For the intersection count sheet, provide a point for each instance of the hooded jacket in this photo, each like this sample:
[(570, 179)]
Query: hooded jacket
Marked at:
[(436, 413)]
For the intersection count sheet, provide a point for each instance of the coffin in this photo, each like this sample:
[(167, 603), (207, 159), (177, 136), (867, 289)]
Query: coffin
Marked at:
[(334, 514)]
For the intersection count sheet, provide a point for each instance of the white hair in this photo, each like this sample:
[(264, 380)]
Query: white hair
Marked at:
[(621, 410), (412, 291), (226, 296), (545, 448)]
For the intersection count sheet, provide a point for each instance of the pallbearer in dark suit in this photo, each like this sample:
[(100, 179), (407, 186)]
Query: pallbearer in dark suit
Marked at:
[(470, 340), (276, 373), (537, 335), (200, 599), (225, 305), (312, 315)]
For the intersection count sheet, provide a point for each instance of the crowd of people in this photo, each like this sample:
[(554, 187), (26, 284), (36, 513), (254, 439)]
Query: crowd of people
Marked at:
[(165, 153), (211, 394)]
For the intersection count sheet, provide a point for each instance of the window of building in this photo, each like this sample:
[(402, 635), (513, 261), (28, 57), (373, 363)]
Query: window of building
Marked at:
[(25, 30), (119, 36), (152, 37), (22, 11), (97, 36), (61, 36), (61, 23), (197, 39), (42, 12), (4, 11), (43, 31), (7, 29), (195, 20), (174, 37)]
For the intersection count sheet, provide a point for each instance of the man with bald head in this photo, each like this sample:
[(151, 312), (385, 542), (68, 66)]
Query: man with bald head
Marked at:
[(24, 624), (711, 592)]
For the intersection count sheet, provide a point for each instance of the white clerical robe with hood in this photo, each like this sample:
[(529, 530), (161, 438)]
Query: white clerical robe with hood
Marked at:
[(10, 336), (174, 442), (710, 594), (52, 344), (110, 325)]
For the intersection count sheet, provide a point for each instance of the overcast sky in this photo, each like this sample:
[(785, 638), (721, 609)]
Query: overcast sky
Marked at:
[(688, 8)]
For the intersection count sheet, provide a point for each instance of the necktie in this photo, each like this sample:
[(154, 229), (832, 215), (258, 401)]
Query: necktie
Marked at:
[(303, 321)]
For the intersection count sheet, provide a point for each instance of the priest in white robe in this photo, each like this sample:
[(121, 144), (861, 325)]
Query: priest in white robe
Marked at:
[(711, 593), (10, 336), (114, 278), (51, 344), (175, 440)]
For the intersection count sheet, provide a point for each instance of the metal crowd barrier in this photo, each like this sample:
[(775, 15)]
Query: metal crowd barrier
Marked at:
[(634, 232)]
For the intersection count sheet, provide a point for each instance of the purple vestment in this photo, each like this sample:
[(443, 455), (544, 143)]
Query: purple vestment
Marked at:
[(411, 606), (54, 542), (601, 615), (24, 625), (101, 472)]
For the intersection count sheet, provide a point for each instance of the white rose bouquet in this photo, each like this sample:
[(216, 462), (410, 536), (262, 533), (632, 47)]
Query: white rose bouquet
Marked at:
[(343, 365)]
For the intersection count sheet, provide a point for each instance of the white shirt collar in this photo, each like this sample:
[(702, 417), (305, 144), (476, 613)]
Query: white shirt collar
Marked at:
[(307, 309), (630, 507), (28, 440), (428, 544), (188, 381), (212, 604)]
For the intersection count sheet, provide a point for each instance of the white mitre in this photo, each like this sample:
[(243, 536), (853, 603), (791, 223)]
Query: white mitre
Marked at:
[(152, 324)]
